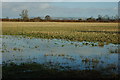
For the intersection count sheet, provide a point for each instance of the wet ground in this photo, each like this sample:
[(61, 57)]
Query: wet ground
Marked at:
[(60, 54)]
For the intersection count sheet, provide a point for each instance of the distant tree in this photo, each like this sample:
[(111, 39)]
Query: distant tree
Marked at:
[(47, 17), (116, 17), (91, 19), (99, 18), (112, 18), (36, 19), (7, 17), (80, 19), (106, 18), (71, 18), (24, 15)]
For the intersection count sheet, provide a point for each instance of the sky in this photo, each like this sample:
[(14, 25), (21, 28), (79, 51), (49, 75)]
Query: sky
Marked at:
[(59, 0), (59, 9)]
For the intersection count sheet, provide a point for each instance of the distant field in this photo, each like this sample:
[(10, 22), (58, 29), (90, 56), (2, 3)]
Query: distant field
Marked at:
[(94, 32)]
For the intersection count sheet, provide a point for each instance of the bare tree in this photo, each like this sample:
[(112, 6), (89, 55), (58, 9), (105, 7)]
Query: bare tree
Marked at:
[(106, 18), (47, 17), (99, 17), (24, 14)]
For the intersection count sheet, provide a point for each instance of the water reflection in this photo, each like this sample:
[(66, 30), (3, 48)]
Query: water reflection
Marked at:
[(59, 53)]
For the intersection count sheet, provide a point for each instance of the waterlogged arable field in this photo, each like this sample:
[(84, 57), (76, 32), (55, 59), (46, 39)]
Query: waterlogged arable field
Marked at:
[(55, 50), (93, 32)]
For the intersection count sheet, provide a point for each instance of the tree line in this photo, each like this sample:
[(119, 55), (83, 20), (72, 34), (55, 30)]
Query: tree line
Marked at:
[(25, 18)]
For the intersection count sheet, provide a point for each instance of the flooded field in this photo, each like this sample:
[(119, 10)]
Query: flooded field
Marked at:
[(60, 54), (61, 40)]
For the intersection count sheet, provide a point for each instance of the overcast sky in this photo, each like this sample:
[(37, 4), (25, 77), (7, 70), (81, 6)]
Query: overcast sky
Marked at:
[(59, 0), (60, 9)]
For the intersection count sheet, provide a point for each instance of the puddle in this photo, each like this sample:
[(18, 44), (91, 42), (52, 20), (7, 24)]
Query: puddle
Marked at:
[(67, 54)]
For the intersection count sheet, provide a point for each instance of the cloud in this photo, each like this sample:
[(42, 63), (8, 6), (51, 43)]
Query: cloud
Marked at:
[(44, 6), (31, 0), (13, 9)]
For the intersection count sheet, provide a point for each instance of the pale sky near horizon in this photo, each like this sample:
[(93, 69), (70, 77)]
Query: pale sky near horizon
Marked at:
[(60, 9)]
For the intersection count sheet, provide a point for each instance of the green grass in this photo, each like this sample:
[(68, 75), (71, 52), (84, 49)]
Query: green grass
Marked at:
[(64, 30)]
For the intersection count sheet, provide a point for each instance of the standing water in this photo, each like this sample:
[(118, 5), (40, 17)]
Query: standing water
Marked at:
[(65, 54)]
